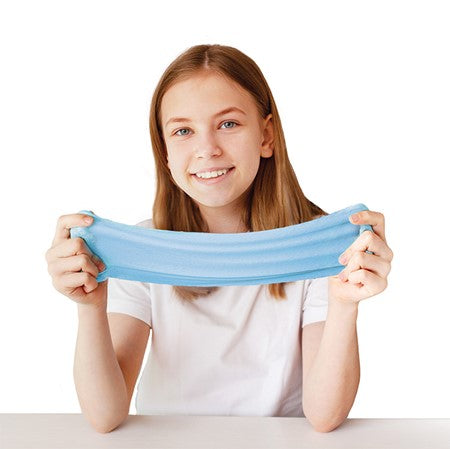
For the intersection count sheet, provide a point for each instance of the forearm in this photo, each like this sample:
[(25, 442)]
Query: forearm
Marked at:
[(332, 382), (98, 378)]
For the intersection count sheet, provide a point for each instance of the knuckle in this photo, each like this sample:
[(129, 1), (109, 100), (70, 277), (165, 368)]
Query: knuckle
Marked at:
[(87, 265), (363, 215), (56, 283), (391, 255), (62, 219), (50, 269), (78, 243), (388, 270), (85, 260)]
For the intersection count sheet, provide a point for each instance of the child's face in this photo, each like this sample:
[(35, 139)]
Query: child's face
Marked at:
[(208, 140)]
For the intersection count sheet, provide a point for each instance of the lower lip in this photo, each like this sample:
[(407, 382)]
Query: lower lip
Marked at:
[(213, 180)]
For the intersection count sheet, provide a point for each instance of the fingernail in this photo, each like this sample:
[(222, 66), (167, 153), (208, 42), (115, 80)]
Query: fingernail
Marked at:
[(342, 259), (354, 218), (88, 219), (342, 276)]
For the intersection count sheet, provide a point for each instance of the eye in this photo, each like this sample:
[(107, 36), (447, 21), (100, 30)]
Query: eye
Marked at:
[(176, 133), (229, 127), (182, 129)]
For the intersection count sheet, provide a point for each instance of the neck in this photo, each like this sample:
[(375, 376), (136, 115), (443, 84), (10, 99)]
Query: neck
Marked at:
[(223, 222)]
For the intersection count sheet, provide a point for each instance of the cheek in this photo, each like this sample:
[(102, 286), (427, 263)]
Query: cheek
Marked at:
[(249, 166), (177, 167), (172, 161), (244, 146)]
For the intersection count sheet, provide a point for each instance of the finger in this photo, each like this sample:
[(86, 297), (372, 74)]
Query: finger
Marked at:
[(65, 222), (74, 280), (374, 219), (68, 249), (362, 260), (73, 264), (370, 241), (369, 283)]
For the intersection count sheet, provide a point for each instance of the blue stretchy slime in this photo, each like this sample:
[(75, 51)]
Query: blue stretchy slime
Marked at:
[(303, 251)]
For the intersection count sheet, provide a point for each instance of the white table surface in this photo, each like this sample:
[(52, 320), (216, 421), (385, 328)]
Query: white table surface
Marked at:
[(70, 431)]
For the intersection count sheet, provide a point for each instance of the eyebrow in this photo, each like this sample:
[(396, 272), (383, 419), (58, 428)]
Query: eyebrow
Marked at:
[(225, 111)]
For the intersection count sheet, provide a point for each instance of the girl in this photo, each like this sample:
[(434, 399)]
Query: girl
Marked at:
[(286, 349)]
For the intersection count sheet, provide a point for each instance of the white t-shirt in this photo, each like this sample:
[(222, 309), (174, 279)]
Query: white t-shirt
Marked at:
[(234, 352)]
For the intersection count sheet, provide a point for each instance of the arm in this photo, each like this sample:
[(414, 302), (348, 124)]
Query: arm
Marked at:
[(108, 357), (331, 368), (330, 350)]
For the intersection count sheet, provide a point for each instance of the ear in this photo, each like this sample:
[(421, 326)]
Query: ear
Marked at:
[(268, 137)]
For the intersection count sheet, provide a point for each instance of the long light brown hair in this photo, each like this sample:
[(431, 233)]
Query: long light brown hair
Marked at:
[(275, 198)]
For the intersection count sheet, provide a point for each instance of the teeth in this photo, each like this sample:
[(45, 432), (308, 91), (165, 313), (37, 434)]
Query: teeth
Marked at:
[(212, 174)]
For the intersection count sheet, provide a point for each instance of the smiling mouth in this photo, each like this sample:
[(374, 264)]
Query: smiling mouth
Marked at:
[(222, 171), (213, 179)]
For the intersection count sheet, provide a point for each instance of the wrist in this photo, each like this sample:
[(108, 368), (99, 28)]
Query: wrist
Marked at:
[(91, 309), (343, 305)]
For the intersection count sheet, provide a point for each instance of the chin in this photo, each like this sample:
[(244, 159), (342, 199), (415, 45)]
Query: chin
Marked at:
[(213, 203)]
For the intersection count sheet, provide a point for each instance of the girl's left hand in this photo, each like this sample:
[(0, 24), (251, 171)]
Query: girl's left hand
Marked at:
[(365, 275)]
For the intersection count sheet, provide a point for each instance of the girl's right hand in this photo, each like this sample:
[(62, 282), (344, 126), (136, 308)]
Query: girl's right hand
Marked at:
[(72, 265)]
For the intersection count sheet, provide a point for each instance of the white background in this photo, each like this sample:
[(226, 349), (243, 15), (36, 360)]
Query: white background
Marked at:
[(363, 92)]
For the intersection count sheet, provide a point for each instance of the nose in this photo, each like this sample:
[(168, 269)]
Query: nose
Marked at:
[(206, 146)]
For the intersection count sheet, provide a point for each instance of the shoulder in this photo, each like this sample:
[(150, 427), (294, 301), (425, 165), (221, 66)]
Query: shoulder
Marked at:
[(147, 223)]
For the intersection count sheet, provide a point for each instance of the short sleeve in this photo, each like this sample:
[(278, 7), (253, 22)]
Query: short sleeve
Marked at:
[(315, 303), (131, 298)]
